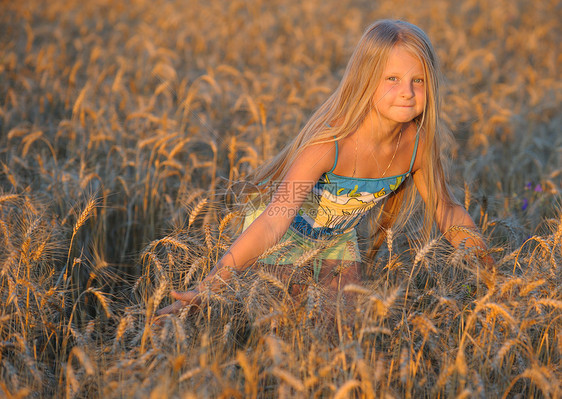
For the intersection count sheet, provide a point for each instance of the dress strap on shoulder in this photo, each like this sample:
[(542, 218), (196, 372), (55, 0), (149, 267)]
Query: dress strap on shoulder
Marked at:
[(415, 151), (336, 159), (336, 143)]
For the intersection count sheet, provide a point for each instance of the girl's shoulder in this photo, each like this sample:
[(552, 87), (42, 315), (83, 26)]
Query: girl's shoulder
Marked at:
[(318, 156)]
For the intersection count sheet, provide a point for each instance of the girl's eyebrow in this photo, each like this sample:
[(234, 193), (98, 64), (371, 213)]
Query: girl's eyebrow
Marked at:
[(398, 74), (393, 72), (402, 74)]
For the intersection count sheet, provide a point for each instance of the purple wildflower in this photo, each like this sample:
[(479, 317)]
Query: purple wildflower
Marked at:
[(525, 204), (538, 188)]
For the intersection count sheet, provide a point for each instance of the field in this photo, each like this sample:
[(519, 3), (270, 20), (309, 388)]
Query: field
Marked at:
[(121, 126)]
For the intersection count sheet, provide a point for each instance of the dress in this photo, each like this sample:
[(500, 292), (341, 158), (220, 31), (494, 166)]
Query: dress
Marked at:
[(331, 212)]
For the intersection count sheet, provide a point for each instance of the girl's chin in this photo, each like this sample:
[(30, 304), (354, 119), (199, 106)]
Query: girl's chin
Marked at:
[(404, 119), (405, 116)]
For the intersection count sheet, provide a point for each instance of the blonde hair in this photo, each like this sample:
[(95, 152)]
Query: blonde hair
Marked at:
[(351, 102)]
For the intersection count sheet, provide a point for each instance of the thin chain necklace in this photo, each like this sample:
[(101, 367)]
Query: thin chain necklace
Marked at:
[(393, 155)]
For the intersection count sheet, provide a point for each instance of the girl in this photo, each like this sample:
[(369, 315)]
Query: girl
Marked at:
[(377, 138)]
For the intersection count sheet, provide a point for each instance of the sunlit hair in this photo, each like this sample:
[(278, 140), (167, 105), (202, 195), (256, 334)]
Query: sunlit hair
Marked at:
[(351, 102)]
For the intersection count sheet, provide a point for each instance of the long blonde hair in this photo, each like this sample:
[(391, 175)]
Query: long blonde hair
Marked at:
[(351, 102)]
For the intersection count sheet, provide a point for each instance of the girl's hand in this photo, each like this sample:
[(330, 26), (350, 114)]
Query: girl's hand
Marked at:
[(183, 299)]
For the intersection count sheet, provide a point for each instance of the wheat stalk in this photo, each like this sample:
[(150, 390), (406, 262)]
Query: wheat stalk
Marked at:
[(5, 234), (536, 375), (158, 295), (174, 242), (208, 237), (249, 374), (195, 266), (389, 239), (8, 198), (498, 309), (224, 222), (421, 254), (356, 289), (275, 248), (554, 303), (289, 378), (313, 303), (271, 279), (306, 257), (424, 325), (154, 258), (84, 215), (72, 384), (190, 374), (529, 287), (103, 300), (251, 299), (366, 374), (345, 390), (196, 210), (122, 328), (507, 345), (83, 358), (466, 196), (275, 351)]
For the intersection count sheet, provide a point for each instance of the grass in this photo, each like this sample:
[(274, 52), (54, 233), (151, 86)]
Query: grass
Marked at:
[(121, 125)]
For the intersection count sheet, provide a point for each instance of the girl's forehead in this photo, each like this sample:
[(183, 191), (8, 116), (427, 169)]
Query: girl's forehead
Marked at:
[(402, 58)]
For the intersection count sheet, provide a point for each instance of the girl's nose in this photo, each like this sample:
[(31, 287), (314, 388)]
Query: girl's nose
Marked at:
[(406, 90)]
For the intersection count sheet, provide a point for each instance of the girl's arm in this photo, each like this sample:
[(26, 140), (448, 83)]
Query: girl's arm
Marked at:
[(449, 214), (270, 226)]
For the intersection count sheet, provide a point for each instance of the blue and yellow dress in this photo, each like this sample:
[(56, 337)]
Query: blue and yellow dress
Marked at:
[(330, 214)]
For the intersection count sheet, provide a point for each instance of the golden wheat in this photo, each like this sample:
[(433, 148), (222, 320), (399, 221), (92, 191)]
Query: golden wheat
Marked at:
[(345, 390), (196, 210), (151, 112), (288, 378)]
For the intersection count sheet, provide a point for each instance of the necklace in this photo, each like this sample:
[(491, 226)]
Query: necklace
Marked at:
[(391, 159), (395, 151)]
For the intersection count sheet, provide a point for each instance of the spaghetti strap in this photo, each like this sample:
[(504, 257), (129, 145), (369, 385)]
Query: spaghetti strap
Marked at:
[(336, 143), (336, 159), (415, 152)]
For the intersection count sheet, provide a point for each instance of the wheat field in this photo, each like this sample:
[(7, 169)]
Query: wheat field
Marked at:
[(122, 127)]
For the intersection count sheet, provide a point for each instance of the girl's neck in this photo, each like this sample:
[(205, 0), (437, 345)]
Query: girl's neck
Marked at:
[(380, 133)]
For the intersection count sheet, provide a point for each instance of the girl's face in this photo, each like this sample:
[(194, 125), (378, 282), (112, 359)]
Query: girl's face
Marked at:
[(400, 95)]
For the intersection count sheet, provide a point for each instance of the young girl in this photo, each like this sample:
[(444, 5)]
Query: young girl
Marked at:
[(377, 138)]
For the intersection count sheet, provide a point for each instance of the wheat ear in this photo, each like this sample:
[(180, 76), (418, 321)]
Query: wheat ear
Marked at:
[(195, 212), (79, 223)]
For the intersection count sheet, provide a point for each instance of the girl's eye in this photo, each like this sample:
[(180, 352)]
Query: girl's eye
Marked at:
[(393, 79), (419, 81)]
